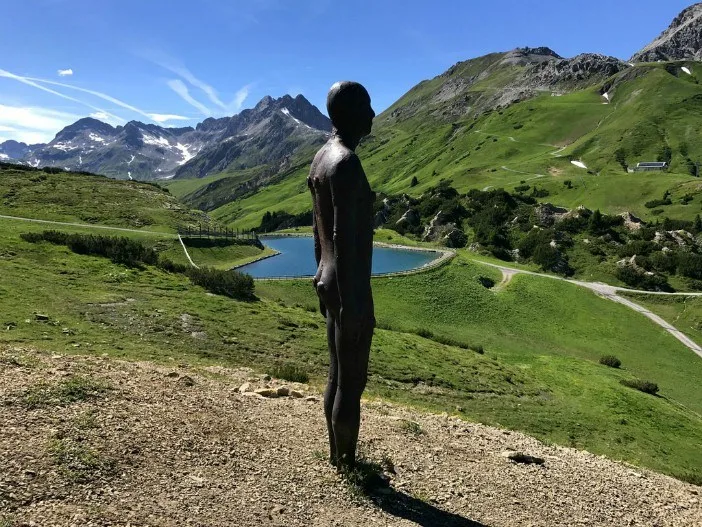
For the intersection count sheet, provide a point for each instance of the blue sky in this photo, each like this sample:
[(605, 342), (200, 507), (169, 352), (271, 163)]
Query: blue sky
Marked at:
[(177, 62)]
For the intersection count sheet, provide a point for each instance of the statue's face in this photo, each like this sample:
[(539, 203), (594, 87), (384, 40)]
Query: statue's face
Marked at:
[(366, 115)]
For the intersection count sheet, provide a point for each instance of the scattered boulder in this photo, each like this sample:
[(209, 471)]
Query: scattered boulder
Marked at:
[(186, 380), (521, 457), (431, 233), (296, 394), (246, 387), (267, 392), (409, 218), (41, 317), (455, 238), (547, 214), (283, 391), (631, 222)]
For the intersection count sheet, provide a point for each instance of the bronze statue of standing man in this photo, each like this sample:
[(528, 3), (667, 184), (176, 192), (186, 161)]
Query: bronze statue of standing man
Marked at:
[(343, 246)]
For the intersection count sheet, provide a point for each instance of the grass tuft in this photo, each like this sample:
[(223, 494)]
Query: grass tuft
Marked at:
[(411, 427), (289, 372), (79, 463), (71, 390)]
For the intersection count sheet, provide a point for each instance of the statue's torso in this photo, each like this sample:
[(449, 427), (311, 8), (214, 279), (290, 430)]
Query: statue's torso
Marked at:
[(358, 257)]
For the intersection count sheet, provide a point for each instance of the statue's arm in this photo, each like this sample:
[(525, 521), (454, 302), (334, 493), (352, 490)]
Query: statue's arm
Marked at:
[(344, 192), (315, 232)]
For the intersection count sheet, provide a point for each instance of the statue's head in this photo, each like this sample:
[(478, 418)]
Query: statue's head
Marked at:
[(349, 108)]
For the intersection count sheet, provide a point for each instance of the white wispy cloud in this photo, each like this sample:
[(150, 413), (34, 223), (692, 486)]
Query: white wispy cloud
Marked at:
[(65, 73), (185, 73), (239, 98), (32, 125), (106, 118), (99, 113), (176, 66), (181, 89), (30, 82), (98, 94), (165, 117)]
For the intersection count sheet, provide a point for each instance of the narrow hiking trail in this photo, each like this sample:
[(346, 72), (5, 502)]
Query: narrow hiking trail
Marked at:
[(87, 226)]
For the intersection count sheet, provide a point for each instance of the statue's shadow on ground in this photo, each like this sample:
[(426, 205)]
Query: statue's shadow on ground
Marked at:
[(369, 480), (417, 511)]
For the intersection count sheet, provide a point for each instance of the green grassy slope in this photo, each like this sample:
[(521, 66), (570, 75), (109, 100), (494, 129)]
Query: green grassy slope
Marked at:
[(685, 313), (71, 197), (539, 371), (655, 110), (552, 333)]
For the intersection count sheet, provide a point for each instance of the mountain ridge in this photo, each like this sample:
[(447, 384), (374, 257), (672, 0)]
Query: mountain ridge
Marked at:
[(682, 40), (137, 150)]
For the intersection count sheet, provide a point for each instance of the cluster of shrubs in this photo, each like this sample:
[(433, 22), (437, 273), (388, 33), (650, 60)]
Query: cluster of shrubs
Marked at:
[(273, 221), (611, 361), (133, 253), (642, 386), (120, 250)]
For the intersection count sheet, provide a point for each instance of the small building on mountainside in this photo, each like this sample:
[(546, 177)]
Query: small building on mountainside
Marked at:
[(649, 167)]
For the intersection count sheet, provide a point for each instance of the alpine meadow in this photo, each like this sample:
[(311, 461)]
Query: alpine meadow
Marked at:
[(545, 368)]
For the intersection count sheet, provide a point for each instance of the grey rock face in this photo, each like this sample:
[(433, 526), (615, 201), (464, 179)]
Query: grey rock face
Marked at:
[(13, 150), (581, 68), (681, 41)]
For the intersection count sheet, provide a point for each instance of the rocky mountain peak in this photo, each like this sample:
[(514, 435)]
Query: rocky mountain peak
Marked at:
[(264, 103), (681, 41), (87, 124), (525, 56)]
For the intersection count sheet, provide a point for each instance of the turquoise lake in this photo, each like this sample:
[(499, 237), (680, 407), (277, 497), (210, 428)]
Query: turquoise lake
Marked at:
[(297, 259)]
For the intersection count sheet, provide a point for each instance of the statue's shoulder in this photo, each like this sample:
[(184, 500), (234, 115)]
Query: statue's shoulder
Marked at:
[(336, 162)]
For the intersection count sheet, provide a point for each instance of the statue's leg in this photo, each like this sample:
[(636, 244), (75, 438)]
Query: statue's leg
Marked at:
[(332, 383), (352, 352)]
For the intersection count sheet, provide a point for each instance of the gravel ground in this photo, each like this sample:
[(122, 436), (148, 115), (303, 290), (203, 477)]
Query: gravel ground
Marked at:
[(136, 444)]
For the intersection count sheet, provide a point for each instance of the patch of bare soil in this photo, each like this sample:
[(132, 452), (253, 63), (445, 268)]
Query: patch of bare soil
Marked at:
[(88, 441)]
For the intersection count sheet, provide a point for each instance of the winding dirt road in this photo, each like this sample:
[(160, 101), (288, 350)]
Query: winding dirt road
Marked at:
[(611, 293)]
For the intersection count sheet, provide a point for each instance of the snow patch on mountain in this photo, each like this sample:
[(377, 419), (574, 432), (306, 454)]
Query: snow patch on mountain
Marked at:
[(187, 155), (287, 112), (156, 141), (4, 156), (96, 138), (63, 146)]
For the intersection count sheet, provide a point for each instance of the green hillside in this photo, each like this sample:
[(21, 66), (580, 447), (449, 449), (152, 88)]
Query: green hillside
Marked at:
[(540, 342), (91, 199), (655, 113)]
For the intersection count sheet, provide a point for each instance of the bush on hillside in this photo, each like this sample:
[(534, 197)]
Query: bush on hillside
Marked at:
[(657, 203), (639, 280), (120, 250), (611, 361), (642, 386), (689, 265), (277, 220), (220, 282), (289, 372), (134, 253)]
